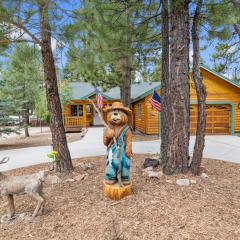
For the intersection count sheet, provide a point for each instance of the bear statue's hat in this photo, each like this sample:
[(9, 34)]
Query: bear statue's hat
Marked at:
[(118, 106)]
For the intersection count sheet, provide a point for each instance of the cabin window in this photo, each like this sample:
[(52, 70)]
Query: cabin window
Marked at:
[(77, 110), (139, 111)]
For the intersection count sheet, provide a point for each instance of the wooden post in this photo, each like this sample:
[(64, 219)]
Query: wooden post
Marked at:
[(84, 116)]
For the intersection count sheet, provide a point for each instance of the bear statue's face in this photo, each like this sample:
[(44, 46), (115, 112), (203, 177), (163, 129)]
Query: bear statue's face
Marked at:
[(117, 117)]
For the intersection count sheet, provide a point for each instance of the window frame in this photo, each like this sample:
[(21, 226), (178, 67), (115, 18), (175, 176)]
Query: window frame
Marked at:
[(79, 110)]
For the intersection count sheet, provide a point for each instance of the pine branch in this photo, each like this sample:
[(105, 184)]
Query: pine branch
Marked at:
[(25, 30)]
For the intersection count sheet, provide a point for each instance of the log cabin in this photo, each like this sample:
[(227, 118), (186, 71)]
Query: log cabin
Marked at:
[(223, 105)]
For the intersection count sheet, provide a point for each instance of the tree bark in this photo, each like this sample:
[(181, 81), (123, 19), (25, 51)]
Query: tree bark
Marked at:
[(165, 80), (126, 95), (25, 118), (178, 104), (201, 95), (126, 91), (53, 100)]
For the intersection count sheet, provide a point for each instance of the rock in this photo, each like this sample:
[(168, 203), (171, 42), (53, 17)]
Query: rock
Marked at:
[(183, 182), (204, 175), (169, 181), (148, 169), (192, 181), (52, 179), (150, 162), (150, 173), (22, 215), (153, 174), (81, 177), (4, 219), (70, 180), (86, 166)]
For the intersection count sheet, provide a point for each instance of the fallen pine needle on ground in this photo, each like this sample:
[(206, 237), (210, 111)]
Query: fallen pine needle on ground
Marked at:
[(158, 209)]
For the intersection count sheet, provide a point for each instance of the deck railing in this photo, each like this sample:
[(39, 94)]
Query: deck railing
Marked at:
[(73, 121)]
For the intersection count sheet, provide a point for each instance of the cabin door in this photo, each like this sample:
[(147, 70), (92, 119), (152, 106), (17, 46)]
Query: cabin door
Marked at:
[(96, 119)]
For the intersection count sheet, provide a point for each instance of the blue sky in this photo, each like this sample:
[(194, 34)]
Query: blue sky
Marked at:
[(73, 4), (205, 54)]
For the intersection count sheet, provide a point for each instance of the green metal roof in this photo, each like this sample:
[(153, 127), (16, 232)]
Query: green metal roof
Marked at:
[(82, 90)]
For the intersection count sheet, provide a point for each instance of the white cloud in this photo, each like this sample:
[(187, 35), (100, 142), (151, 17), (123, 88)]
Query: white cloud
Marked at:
[(228, 75), (191, 56), (54, 44), (15, 33), (138, 77), (232, 49)]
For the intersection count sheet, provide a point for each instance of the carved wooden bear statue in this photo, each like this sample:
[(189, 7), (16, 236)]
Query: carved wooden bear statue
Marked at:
[(120, 151)]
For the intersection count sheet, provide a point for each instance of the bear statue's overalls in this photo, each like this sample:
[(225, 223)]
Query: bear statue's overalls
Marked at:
[(112, 164)]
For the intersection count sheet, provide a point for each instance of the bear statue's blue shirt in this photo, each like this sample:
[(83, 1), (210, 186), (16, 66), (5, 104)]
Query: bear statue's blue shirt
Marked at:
[(112, 164)]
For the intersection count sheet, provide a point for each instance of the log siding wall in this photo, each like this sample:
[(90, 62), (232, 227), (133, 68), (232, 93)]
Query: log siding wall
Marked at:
[(218, 91)]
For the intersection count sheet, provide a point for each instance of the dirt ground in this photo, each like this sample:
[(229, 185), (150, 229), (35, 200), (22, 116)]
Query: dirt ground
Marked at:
[(35, 139), (158, 209)]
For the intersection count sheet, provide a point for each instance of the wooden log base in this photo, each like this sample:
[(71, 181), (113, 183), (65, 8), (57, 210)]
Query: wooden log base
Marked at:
[(115, 191)]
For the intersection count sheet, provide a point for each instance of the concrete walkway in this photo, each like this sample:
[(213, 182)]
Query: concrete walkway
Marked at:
[(225, 148)]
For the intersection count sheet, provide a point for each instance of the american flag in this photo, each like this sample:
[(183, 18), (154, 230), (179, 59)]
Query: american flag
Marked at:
[(99, 99), (156, 101)]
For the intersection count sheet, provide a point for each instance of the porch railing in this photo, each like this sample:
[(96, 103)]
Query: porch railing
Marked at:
[(73, 121)]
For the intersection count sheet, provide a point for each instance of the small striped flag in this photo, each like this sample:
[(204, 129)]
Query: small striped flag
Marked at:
[(156, 101), (99, 99)]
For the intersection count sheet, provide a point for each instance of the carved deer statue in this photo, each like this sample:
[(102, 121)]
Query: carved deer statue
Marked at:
[(26, 184)]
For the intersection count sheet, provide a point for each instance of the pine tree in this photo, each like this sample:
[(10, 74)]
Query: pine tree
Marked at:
[(109, 41), (65, 94), (36, 21), (175, 90), (21, 81), (224, 21), (201, 93)]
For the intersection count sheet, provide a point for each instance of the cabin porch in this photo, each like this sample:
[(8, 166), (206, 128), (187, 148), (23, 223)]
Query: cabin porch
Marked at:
[(81, 114)]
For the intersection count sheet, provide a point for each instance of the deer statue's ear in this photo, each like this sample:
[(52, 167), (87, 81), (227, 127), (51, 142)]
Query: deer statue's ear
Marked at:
[(4, 160)]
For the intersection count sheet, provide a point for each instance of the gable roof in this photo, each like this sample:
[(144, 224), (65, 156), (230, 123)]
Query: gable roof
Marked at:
[(231, 81), (83, 90)]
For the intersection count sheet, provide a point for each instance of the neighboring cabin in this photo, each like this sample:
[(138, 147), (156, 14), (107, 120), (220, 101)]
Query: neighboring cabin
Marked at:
[(223, 105)]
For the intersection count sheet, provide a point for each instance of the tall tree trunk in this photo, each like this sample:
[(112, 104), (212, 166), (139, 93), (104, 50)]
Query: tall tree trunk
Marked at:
[(126, 96), (177, 156), (25, 118), (126, 93), (53, 100), (165, 80), (201, 95)]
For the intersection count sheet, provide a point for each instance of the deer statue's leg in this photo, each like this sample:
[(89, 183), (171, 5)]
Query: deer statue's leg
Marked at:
[(11, 205), (40, 201), (40, 212)]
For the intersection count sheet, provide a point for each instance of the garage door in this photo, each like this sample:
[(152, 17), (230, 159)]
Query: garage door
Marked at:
[(218, 119)]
